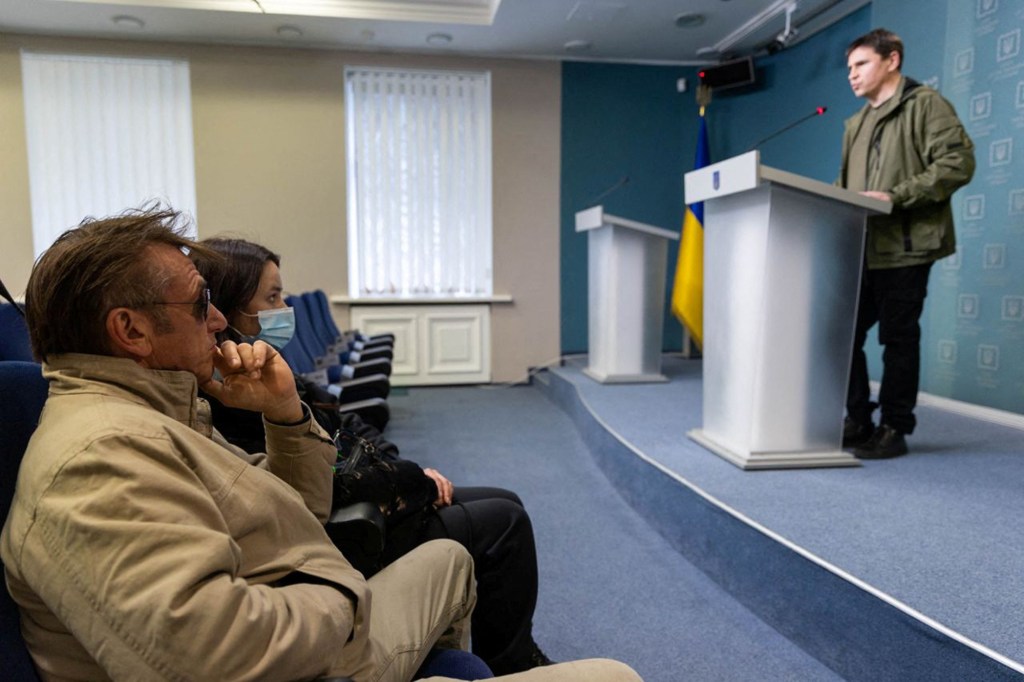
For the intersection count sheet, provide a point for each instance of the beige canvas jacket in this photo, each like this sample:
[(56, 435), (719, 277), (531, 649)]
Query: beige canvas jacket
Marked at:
[(141, 546)]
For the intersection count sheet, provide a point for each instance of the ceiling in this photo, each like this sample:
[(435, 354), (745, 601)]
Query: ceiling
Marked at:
[(643, 31)]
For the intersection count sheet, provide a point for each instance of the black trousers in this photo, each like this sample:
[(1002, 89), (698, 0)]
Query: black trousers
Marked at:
[(493, 526), (893, 298)]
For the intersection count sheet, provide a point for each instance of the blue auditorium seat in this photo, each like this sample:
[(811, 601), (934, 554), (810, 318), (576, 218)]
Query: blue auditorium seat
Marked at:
[(14, 341), (318, 352), (323, 307), (322, 323), (454, 663), (364, 394), (349, 352), (22, 394)]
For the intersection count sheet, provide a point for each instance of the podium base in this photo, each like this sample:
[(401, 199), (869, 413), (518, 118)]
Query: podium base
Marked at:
[(774, 460), (602, 378)]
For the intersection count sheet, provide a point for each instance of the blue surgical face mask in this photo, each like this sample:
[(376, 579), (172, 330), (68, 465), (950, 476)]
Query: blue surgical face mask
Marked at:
[(277, 326)]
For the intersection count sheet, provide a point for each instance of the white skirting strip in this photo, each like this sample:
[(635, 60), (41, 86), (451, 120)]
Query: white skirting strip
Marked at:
[(988, 414)]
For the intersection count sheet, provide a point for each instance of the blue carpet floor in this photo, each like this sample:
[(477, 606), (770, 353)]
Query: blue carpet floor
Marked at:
[(610, 585), (938, 530)]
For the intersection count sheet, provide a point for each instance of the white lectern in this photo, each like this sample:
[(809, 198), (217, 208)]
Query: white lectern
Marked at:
[(626, 281), (782, 266)]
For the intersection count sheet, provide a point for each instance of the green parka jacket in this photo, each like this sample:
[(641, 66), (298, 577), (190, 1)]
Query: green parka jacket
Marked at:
[(920, 154)]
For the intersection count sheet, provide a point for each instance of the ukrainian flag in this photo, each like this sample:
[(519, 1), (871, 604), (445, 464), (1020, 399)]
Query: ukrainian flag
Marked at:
[(688, 290)]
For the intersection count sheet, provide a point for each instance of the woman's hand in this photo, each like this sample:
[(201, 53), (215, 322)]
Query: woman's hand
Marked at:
[(445, 489)]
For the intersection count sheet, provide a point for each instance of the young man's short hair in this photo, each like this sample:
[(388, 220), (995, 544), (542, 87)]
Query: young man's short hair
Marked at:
[(882, 41)]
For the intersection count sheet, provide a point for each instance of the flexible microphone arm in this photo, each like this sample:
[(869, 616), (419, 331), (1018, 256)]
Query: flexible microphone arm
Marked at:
[(623, 181), (817, 112)]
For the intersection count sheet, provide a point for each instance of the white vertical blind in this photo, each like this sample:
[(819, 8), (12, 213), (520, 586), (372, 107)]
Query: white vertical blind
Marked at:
[(105, 134), (419, 183)]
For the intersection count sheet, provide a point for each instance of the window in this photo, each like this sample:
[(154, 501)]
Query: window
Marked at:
[(105, 134), (419, 183)]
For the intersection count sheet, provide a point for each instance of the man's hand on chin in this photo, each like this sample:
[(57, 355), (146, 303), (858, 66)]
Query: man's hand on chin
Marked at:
[(255, 377)]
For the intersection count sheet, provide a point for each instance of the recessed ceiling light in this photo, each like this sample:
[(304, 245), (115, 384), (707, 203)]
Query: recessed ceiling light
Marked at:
[(289, 32), (689, 20), (578, 46), (439, 39), (129, 22)]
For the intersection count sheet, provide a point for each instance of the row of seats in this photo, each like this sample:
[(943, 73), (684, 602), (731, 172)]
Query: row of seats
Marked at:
[(354, 368)]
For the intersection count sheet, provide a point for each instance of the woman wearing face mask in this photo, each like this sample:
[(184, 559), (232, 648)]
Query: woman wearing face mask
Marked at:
[(418, 504)]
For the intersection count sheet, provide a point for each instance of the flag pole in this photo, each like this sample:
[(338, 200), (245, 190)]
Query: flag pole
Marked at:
[(691, 349)]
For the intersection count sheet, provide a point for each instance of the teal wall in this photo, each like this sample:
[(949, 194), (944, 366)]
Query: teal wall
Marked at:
[(974, 329), (626, 120), (972, 50), (621, 121), (791, 84)]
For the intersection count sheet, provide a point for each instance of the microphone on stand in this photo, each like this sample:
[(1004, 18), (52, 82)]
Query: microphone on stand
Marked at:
[(817, 112), (623, 181)]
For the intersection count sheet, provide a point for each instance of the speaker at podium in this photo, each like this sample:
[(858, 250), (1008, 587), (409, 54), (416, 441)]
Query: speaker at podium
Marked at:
[(627, 262), (782, 265)]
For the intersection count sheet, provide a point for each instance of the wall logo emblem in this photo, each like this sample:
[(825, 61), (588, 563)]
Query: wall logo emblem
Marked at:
[(1016, 201), (1008, 45), (947, 351), (988, 356), (967, 306), (1013, 308), (953, 261), (981, 106), (974, 207), (987, 7), (964, 62), (995, 256), (1000, 152)]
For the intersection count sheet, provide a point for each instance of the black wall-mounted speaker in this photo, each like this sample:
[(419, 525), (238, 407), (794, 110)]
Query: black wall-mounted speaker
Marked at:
[(728, 75)]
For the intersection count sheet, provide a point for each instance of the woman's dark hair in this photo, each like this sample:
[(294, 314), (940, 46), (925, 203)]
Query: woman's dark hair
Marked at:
[(234, 277)]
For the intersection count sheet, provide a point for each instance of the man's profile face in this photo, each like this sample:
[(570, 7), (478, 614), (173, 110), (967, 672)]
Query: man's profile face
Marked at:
[(869, 72), (186, 342)]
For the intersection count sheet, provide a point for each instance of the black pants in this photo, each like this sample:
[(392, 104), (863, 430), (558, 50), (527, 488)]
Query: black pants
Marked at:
[(493, 526), (893, 298)]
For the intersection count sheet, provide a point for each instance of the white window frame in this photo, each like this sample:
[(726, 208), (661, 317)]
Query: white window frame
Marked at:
[(419, 178), (104, 134)]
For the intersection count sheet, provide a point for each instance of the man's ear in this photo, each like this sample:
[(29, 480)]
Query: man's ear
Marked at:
[(896, 61), (131, 333)]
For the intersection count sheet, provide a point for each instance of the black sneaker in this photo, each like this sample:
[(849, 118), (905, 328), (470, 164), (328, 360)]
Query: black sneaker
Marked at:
[(886, 443), (856, 434), (538, 657), (533, 659)]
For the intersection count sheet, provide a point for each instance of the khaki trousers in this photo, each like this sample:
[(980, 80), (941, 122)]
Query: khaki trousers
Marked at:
[(420, 601), (588, 670)]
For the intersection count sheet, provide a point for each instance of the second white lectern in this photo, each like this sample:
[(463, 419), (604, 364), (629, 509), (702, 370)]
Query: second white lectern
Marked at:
[(627, 261), (782, 266)]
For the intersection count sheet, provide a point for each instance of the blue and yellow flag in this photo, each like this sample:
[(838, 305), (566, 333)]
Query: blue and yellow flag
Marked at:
[(688, 290)]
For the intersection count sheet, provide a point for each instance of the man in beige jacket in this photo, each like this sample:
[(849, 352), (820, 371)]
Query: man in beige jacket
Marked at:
[(141, 546)]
